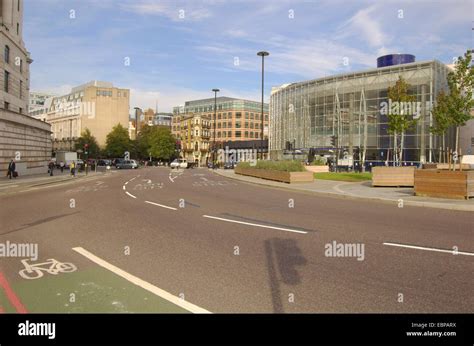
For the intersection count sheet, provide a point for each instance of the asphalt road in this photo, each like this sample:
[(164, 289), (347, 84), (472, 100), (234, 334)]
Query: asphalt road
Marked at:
[(228, 246)]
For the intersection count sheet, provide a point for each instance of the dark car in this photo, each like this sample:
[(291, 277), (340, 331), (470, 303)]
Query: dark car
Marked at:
[(229, 165)]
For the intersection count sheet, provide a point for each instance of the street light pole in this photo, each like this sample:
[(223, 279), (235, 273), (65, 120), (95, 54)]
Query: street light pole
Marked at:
[(215, 120), (136, 122), (263, 54)]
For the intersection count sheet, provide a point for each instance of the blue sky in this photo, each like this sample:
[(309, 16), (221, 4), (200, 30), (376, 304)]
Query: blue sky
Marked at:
[(180, 50)]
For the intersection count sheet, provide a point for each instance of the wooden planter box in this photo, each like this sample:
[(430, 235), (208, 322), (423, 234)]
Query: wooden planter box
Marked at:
[(317, 169), (393, 176), (444, 184), (443, 166), (286, 177)]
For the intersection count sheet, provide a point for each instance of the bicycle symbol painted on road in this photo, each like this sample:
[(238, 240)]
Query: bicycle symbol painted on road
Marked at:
[(51, 266)]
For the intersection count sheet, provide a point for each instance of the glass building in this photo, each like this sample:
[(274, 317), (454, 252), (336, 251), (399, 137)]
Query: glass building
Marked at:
[(307, 114)]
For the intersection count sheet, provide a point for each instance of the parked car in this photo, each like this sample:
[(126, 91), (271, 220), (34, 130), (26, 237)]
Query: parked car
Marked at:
[(127, 164), (179, 163), (229, 165)]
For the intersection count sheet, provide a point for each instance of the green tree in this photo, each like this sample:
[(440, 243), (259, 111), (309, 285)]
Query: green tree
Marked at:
[(88, 138), (117, 142), (460, 102), (399, 119), (162, 143), (441, 117), (143, 142)]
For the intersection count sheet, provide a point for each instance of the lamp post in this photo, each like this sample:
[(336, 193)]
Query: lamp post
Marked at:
[(215, 120), (263, 54), (136, 121)]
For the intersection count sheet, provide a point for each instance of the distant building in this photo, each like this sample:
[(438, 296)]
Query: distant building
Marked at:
[(37, 100), (26, 140), (194, 137), (97, 106), (237, 119)]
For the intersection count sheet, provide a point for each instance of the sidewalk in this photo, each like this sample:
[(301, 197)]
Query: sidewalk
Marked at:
[(359, 190), (15, 184)]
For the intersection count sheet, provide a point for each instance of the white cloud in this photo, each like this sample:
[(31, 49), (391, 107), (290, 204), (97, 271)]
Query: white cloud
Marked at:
[(364, 24), (183, 12)]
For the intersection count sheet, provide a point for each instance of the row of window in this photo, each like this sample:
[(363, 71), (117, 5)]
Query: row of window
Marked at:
[(6, 83), (109, 93), (6, 57)]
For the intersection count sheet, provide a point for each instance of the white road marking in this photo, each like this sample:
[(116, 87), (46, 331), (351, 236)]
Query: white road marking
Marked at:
[(430, 249), (123, 187), (169, 176), (126, 182), (141, 283), (128, 193), (161, 205), (255, 224)]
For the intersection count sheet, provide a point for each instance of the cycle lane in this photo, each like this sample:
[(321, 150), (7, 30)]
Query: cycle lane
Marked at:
[(49, 285)]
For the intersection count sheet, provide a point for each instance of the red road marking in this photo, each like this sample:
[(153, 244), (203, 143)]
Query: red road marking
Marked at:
[(12, 297)]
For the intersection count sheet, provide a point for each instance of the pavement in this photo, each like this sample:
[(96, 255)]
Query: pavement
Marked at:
[(359, 190), (161, 240)]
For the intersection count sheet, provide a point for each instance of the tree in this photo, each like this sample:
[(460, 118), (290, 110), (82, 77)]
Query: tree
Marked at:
[(441, 117), (117, 142), (87, 138), (399, 119), (162, 143), (461, 84)]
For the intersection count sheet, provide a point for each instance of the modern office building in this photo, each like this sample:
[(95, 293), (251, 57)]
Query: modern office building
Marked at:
[(23, 139), (237, 119), (349, 106), (97, 106), (163, 119)]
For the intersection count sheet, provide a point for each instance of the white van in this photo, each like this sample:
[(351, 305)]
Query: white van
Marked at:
[(179, 163)]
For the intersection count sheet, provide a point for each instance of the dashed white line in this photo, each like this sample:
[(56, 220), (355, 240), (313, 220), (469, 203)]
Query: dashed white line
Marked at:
[(141, 283), (255, 224), (161, 205), (126, 182), (123, 187), (128, 193), (430, 249)]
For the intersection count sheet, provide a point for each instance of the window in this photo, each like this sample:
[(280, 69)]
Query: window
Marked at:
[(246, 133), (246, 124), (238, 125), (238, 115), (246, 115), (6, 81), (18, 6), (98, 93), (238, 134), (229, 124), (229, 133), (17, 28), (118, 93), (21, 90), (219, 116), (20, 110), (251, 134), (21, 66), (7, 54), (124, 94), (251, 125), (6, 105)]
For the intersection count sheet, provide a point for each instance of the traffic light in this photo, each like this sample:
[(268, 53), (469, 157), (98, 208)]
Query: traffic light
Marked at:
[(86, 147), (334, 141)]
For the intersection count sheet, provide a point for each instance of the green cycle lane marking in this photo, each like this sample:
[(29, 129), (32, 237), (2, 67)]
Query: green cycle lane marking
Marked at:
[(95, 290)]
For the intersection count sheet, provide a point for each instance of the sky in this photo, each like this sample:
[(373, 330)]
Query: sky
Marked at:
[(171, 51)]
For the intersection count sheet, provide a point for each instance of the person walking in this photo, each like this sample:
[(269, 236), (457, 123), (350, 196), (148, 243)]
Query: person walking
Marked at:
[(51, 167), (61, 164), (72, 166), (11, 169)]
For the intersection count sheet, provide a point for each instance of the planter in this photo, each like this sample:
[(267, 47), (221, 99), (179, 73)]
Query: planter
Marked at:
[(444, 166), (286, 177), (444, 184), (317, 169), (393, 176)]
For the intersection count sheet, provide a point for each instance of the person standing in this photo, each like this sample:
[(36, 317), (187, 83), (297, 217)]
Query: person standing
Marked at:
[(61, 164), (11, 169)]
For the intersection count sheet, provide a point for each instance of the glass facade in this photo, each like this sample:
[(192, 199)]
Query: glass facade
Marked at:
[(349, 106)]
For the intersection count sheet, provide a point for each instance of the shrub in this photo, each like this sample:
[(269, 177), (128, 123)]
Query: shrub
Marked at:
[(318, 161), (285, 166)]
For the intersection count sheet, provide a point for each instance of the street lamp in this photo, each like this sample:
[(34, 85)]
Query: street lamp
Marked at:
[(215, 120), (263, 54), (136, 121)]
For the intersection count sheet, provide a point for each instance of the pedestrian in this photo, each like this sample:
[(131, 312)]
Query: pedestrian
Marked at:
[(11, 169), (61, 164), (51, 167), (72, 166)]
